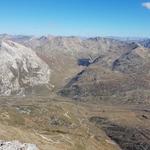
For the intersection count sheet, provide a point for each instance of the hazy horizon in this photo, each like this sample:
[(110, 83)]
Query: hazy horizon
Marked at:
[(80, 36)]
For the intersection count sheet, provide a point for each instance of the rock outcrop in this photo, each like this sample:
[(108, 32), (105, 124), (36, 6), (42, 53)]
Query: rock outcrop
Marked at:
[(16, 145), (20, 69)]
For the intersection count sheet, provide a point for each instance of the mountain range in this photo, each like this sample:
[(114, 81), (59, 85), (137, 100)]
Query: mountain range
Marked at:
[(80, 67), (74, 93)]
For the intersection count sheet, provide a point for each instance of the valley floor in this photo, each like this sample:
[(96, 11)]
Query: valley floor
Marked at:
[(54, 123)]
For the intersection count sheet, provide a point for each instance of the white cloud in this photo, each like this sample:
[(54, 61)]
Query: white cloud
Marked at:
[(146, 5)]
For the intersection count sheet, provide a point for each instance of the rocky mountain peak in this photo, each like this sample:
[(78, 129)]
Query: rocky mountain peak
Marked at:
[(20, 69)]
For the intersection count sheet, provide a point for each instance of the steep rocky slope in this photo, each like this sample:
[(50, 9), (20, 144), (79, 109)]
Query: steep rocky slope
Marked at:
[(21, 69), (134, 61)]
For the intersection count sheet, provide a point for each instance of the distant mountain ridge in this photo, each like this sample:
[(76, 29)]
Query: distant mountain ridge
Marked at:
[(98, 66)]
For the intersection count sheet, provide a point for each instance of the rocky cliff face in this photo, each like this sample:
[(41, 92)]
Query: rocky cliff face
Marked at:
[(21, 69)]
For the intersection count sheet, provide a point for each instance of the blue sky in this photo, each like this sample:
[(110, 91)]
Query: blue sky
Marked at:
[(75, 17)]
